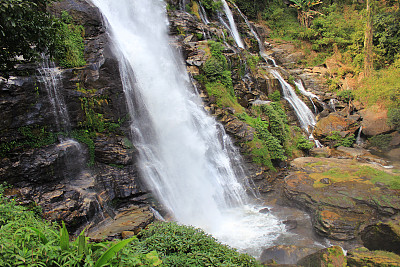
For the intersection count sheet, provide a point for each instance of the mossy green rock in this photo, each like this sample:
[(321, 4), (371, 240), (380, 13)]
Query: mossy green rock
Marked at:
[(332, 256), (363, 257)]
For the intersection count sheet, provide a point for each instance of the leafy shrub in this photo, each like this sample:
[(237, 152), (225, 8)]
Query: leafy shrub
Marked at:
[(380, 141), (337, 140), (189, 246), (394, 118), (69, 43), (345, 95), (275, 96), (304, 144)]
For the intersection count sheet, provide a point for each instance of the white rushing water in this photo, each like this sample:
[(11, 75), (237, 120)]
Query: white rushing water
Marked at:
[(185, 156), (50, 75), (232, 25), (303, 113)]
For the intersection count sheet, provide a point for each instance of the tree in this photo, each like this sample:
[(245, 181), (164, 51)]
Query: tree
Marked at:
[(304, 10), (368, 63), (26, 30)]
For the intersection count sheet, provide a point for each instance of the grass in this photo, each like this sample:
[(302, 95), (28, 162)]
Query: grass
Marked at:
[(360, 174)]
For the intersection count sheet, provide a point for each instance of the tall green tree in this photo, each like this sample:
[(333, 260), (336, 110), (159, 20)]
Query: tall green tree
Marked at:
[(305, 10), (26, 30), (368, 62)]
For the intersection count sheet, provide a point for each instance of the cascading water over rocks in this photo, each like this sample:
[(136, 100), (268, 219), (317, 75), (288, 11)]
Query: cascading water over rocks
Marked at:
[(185, 156)]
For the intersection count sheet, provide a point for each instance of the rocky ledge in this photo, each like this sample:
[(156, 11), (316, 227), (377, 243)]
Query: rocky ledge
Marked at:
[(343, 195)]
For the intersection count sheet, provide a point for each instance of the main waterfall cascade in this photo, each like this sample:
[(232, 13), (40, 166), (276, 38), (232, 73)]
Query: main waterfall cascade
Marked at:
[(184, 155)]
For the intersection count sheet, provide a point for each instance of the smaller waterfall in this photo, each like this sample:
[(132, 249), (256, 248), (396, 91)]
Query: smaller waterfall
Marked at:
[(303, 113), (232, 25), (50, 75), (310, 95), (203, 14), (359, 141), (332, 104)]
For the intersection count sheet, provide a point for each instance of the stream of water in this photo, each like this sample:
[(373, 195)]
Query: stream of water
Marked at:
[(185, 156)]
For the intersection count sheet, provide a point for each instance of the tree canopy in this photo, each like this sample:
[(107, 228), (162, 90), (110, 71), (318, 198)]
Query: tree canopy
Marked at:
[(26, 30)]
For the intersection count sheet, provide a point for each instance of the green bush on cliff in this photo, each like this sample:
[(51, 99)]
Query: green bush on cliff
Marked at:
[(394, 118), (69, 44)]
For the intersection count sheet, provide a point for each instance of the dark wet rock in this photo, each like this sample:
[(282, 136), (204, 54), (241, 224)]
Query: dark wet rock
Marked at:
[(332, 256), (116, 150), (325, 181), (264, 210), (361, 257), (383, 235), (290, 224), (283, 254)]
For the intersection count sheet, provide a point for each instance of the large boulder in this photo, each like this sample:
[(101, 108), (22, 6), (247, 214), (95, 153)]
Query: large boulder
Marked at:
[(332, 256), (361, 257), (335, 123), (374, 121), (284, 254), (343, 196)]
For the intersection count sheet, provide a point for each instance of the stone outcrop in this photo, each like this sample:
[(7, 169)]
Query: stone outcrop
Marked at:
[(335, 123), (332, 256), (361, 257), (286, 254), (341, 195), (374, 122), (383, 235)]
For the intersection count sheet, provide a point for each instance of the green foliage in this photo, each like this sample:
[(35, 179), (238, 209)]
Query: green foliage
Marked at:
[(381, 88), (211, 5), (271, 140), (275, 96), (394, 118), (303, 143), (111, 251), (86, 137), (393, 181), (189, 246), (25, 30), (345, 95), (217, 77), (337, 140), (27, 240), (28, 30), (387, 35), (69, 44), (32, 136), (380, 141)]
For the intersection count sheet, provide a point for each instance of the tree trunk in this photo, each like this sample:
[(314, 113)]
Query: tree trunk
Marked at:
[(368, 62)]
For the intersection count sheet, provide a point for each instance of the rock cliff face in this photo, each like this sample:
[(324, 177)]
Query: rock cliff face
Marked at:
[(49, 167)]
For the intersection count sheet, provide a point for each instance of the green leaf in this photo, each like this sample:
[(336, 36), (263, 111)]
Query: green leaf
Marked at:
[(82, 244), (64, 237), (42, 237), (111, 251)]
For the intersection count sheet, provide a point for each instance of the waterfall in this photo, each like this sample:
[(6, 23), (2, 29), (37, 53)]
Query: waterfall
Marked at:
[(50, 75), (359, 141), (185, 157), (303, 113), (310, 95), (232, 25), (203, 14)]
